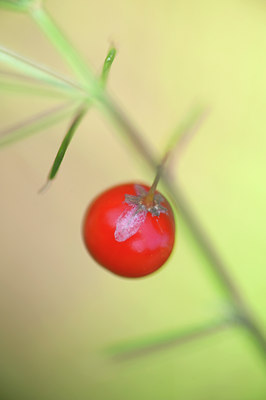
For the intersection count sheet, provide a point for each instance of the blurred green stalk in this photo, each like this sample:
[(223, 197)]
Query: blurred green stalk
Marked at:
[(144, 346)]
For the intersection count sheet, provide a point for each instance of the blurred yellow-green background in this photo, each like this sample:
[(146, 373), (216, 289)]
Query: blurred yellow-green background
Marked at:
[(60, 312)]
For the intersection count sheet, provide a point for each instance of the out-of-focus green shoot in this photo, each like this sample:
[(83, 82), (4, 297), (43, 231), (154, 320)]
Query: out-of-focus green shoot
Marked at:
[(36, 123), (186, 129), (19, 5), (76, 62), (126, 350), (30, 88), (39, 73), (107, 65)]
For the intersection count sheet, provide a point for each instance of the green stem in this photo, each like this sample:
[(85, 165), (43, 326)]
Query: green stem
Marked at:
[(201, 240), (218, 268), (72, 57), (39, 72), (148, 200)]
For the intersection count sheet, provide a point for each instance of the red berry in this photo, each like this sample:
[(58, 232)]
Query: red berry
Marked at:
[(128, 232)]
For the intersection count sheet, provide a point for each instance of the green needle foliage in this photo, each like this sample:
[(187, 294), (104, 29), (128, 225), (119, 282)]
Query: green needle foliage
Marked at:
[(65, 143), (78, 118)]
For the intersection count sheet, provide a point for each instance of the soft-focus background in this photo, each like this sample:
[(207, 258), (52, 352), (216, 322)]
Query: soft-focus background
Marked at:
[(60, 312)]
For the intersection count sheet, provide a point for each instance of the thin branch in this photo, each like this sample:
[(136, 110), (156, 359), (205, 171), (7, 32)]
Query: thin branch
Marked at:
[(8, 54), (217, 265), (16, 75), (33, 85), (22, 88), (73, 58), (37, 121), (185, 132)]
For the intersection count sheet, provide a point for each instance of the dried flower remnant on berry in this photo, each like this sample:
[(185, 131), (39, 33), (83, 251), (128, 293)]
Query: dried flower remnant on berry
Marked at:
[(132, 218), (129, 223)]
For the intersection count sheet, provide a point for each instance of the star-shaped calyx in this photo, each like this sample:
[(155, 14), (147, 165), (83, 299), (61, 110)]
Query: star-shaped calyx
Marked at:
[(146, 201)]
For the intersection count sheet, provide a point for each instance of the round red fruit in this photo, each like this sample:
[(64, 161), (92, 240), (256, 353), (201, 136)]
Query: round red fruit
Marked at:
[(129, 230)]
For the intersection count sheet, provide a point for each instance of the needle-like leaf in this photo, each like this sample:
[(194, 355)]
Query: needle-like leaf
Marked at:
[(12, 81), (39, 72), (77, 119), (66, 141), (24, 89)]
